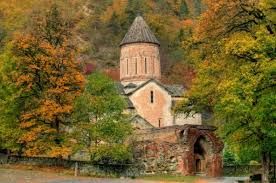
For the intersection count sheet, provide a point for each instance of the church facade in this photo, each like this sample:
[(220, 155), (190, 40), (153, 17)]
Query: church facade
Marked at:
[(140, 75), (166, 142)]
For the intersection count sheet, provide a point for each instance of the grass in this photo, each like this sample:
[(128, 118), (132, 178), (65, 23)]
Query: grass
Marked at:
[(170, 178)]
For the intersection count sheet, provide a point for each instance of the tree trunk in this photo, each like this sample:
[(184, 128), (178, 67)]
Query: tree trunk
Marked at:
[(265, 166)]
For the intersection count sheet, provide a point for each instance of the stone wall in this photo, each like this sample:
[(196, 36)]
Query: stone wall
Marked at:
[(139, 62), (182, 119), (173, 150), (84, 167), (168, 150), (241, 170), (159, 158), (158, 112)]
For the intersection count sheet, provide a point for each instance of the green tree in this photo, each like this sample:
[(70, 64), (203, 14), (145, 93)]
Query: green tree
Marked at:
[(114, 25), (133, 9), (101, 128), (236, 75), (3, 32), (10, 106), (198, 7), (229, 158), (183, 10)]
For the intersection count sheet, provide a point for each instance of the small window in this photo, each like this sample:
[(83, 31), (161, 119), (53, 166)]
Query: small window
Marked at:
[(151, 97), (159, 122)]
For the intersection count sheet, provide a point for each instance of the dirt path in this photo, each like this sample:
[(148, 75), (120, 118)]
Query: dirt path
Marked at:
[(31, 176)]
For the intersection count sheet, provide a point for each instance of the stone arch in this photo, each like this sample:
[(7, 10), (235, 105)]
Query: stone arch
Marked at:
[(204, 151), (190, 134), (207, 138)]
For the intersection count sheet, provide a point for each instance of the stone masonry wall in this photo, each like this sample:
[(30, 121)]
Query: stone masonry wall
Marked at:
[(182, 119), (172, 150), (168, 150), (159, 157), (84, 167), (157, 112), (139, 61)]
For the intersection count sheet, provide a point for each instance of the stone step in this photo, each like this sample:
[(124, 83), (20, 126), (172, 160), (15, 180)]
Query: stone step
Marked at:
[(201, 174)]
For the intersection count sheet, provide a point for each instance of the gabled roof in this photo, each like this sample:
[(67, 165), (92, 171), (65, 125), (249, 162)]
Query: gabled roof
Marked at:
[(141, 123), (120, 88), (121, 91), (173, 90), (129, 103), (139, 32), (131, 85)]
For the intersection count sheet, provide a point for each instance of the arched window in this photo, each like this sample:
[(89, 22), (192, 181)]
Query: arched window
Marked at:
[(151, 97)]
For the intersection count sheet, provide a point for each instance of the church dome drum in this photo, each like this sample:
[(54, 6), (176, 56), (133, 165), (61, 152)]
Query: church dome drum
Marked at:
[(140, 59)]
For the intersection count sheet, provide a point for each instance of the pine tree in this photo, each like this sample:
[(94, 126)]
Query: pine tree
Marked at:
[(183, 10)]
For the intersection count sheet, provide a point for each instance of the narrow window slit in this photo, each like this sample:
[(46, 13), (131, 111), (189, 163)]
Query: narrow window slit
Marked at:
[(127, 66), (151, 97), (135, 65), (146, 66), (159, 123)]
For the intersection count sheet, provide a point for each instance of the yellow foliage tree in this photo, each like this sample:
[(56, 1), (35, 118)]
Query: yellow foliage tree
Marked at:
[(49, 79)]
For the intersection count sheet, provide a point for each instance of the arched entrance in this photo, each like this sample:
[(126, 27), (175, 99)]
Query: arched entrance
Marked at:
[(201, 148), (202, 153)]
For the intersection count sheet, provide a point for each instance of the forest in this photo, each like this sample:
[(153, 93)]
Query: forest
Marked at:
[(100, 27), (57, 55)]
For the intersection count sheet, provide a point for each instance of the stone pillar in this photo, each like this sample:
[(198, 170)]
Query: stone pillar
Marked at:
[(187, 162), (216, 166)]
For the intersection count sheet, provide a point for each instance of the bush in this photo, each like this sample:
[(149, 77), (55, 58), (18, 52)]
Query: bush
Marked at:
[(111, 154)]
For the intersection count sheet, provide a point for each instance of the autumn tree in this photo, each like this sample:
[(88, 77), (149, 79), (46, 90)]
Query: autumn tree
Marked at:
[(100, 127), (183, 74), (3, 31), (236, 75), (49, 79)]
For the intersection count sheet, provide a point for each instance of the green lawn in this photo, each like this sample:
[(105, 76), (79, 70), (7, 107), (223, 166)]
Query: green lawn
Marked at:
[(170, 178)]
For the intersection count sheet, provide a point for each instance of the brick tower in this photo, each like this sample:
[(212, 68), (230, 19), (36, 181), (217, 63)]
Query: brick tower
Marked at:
[(140, 59)]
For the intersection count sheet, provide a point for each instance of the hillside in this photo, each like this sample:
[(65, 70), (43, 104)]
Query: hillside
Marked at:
[(101, 25)]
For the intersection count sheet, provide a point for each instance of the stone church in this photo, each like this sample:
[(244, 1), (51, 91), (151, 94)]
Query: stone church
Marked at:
[(166, 142)]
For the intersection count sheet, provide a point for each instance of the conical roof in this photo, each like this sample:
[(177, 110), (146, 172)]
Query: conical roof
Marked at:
[(139, 32)]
